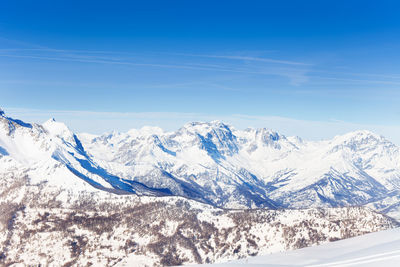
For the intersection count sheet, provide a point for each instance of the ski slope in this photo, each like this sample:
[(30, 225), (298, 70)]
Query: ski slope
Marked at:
[(375, 249)]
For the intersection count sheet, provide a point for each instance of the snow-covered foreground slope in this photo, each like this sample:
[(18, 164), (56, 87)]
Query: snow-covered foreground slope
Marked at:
[(375, 249)]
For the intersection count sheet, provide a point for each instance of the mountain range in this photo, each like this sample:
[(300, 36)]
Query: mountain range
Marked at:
[(212, 163), (202, 194)]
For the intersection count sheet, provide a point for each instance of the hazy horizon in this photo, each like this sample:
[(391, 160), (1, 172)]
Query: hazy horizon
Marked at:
[(104, 122)]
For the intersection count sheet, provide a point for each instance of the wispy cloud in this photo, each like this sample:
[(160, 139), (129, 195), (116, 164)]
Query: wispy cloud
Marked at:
[(249, 63), (248, 58), (18, 43), (299, 73), (295, 76), (239, 64), (364, 81), (376, 75)]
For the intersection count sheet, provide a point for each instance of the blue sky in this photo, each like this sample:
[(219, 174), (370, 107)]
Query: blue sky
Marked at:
[(329, 66)]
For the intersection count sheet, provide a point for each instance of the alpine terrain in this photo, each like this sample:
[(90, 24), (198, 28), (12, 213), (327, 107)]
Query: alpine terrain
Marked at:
[(255, 168), (203, 194)]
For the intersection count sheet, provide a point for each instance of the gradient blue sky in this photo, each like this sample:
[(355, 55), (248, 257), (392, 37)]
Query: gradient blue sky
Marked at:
[(332, 65)]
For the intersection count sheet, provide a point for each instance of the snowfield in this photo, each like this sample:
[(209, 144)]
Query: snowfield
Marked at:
[(375, 249)]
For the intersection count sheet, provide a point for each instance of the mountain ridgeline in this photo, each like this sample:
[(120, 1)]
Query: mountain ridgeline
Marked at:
[(215, 164)]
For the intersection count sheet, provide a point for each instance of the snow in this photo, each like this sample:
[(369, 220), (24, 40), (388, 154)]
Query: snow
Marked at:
[(145, 131), (217, 158), (87, 137), (138, 260), (212, 162), (217, 164), (375, 249), (56, 128)]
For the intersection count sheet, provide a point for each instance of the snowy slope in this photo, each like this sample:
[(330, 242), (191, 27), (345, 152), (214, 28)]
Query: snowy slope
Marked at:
[(51, 153), (375, 249)]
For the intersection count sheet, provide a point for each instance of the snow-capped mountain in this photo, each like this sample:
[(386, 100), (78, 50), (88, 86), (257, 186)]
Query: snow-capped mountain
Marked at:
[(212, 163), (119, 198), (52, 153), (217, 164)]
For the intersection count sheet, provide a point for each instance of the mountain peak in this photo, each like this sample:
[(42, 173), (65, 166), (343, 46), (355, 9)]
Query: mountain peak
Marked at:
[(56, 128), (360, 135), (206, 126), (264, 134), (363, 133), (217, 122), (362, 140)]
